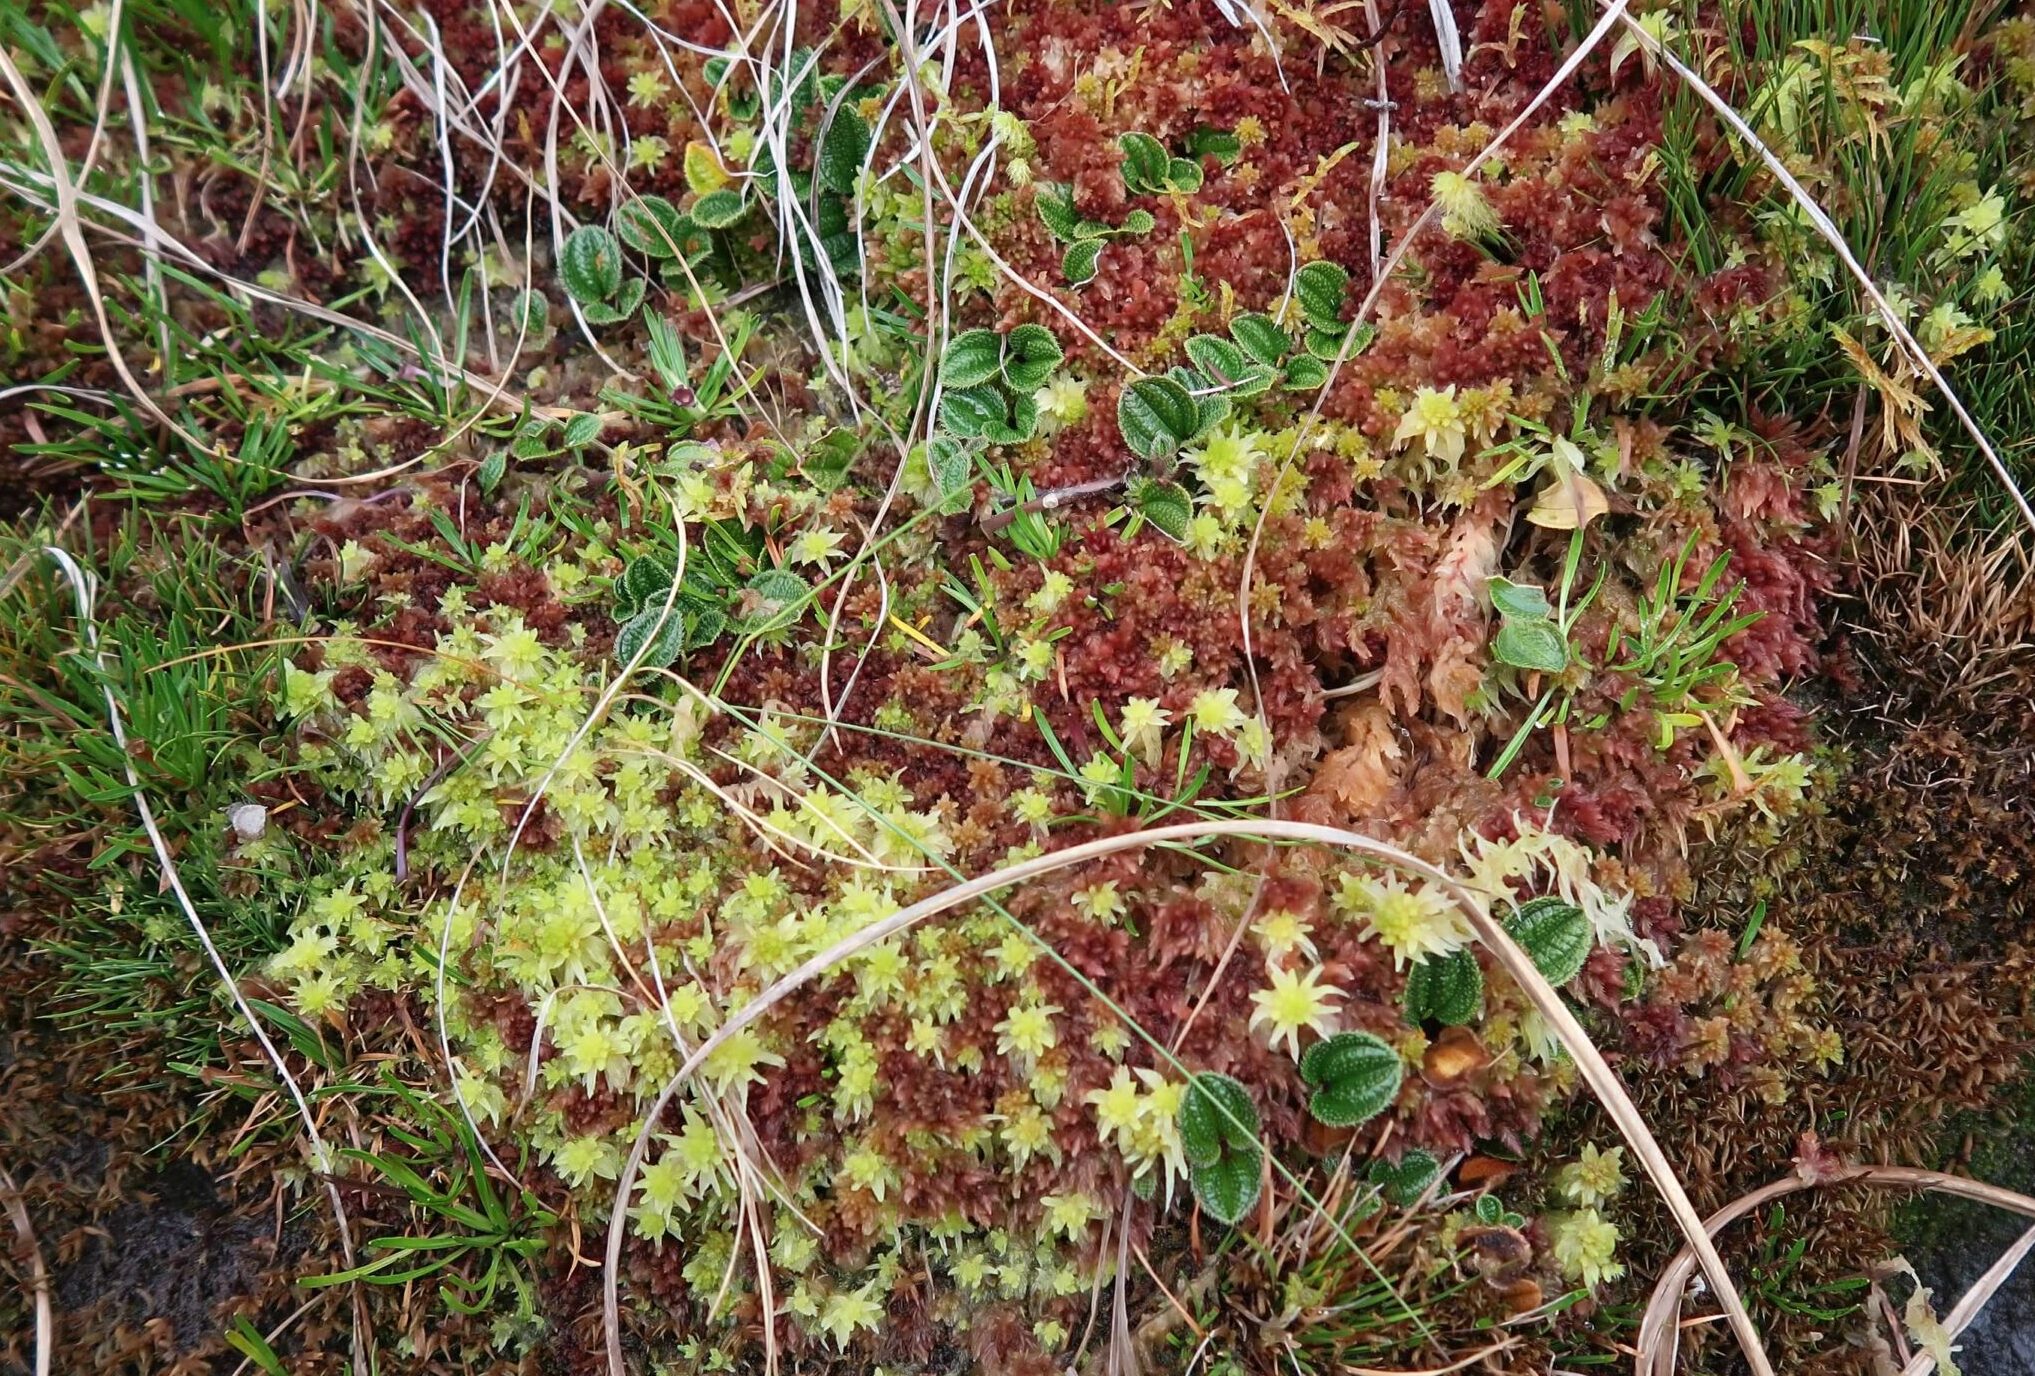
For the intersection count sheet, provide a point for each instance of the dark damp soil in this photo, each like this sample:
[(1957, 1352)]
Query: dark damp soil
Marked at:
[(174, 1253)]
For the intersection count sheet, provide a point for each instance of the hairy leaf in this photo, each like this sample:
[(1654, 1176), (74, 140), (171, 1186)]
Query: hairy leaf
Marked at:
[(969, 412), (1145, 163), (1054, 202), (655, 633), (1556, 934), (718, 209), (1406, 1182), (1165, 504), (972, 357), (1355, 1076), (1221, 360), (1079, 263), (652, 225), (1220, 144), (1320, 287), (949, 462), (1447, 989), (1030, 353), (843, 150), (1216, 1113), (1260, 337), (1227, 1188), (1531, 642), (1156, 416), (773, 600), (1137, 222), (1305, 373), (591, 265)]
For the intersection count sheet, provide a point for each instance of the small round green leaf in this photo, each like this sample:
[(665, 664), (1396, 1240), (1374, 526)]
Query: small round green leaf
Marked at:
[(718, 209), (972, 357), (1447, 989), (652, 225), (843, 151), (1079, 263), (1183, 175), (1260, 338), (1320, 287), (1030, 354), (1555, 934), (1166, 505), (1227, 1188), (1407, 1181), (1531, 643), (1221, 360), (1355, 1075), (1216, 1114), (1145, 163), (591, 265), (657, 634), (1156, 416)]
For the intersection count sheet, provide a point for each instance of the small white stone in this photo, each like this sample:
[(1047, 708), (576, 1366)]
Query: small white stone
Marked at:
[(247, 820)]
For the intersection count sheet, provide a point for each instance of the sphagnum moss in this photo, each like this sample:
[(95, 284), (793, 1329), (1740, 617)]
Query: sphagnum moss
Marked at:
[(922, 635)]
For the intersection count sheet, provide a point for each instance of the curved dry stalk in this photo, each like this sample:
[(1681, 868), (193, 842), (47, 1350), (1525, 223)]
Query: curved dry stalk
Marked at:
[(1655, 1348), (38, 1272), (1546, 1000)]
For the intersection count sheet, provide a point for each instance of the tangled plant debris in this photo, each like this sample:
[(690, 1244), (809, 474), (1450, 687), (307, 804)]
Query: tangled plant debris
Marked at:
[(590, 520)]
